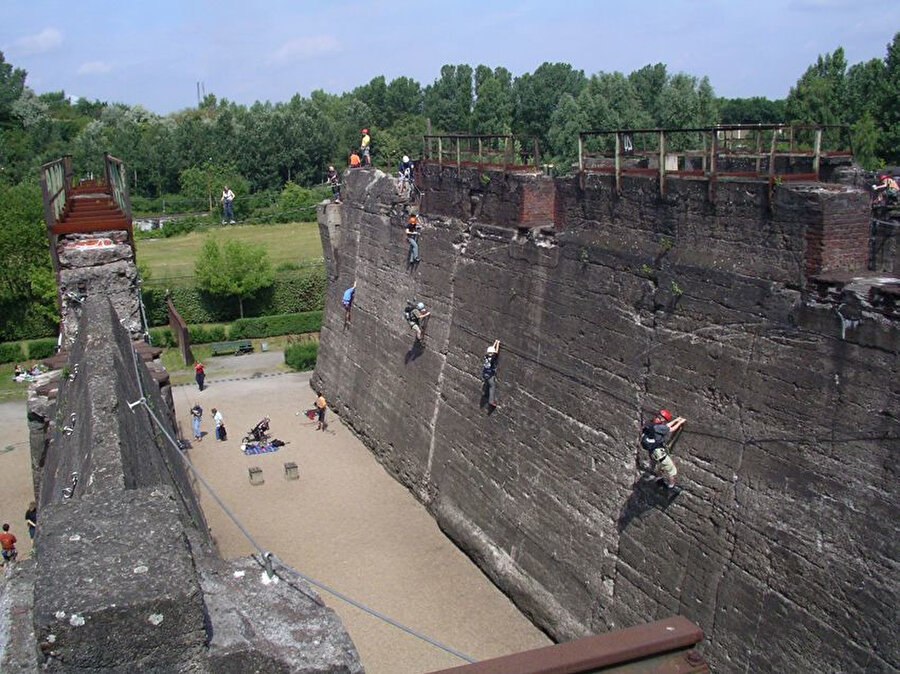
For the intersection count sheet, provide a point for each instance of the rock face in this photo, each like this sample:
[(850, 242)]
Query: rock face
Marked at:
[(125, 576), (748, 312)]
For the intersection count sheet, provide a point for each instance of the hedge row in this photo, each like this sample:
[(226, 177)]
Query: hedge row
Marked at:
[(11, 352), (301, 356), (244, 328), (293, 291), (271, 326)]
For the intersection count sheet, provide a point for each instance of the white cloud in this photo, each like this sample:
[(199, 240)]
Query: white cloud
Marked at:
[(304, 47), (46, 40), (94, 68)]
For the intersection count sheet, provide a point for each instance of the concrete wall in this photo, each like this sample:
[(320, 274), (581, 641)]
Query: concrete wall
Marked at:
[(125, 576), (783, 546)]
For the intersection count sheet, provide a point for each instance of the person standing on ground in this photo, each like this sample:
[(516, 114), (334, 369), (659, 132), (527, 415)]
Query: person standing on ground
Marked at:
[(347, 302), (334, 181), (321, 406), (199, 374), (196, 416), (8, 544), (31, 519), (220, 425), (364, 148), (227, 201), (654, 438), (412, 236), (489, 372)]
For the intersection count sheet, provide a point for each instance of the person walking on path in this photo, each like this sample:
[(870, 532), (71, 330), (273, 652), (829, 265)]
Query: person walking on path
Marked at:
[(489, 372), (221, 434), (227, 205), (199, 374), (8, 544), (364, 148), (31, 519), (347, 303), (655, 436), (196, 416), (321, 406), (412, 236)]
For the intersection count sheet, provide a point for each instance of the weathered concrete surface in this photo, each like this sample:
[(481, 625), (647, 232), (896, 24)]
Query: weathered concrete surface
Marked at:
[(126, 575), (784, 547)]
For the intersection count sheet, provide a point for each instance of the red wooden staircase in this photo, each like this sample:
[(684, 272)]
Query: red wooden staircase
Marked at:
[(90, 207)]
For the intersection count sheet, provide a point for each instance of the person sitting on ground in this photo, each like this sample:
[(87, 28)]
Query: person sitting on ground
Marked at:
[(416, 316), (489, 372), (404, 174), (261, 430), (889, 186), (334, 181), (18, 371), (354, 159), (654, 437), (364, 148), (412, 236), (8, 544), (347, 302)]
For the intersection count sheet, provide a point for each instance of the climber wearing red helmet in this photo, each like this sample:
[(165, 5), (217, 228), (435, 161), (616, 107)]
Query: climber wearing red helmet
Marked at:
[(364, 148), (653, 438)]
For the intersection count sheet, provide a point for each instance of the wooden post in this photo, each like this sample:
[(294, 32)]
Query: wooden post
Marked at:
[(440, 152), (758, 151), (713, 147), (817, 152), (662, 163), (536, 155), (618, 164), (772, 154), (458, 166), (480, 158)]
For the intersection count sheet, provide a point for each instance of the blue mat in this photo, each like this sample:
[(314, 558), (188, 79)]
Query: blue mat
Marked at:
[(259, 448)]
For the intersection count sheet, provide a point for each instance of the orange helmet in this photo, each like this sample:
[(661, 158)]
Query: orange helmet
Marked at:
[(413, 220), (665, 414)]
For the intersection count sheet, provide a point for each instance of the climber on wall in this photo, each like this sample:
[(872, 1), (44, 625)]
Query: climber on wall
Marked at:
[(655, 438), (489, 373), (417, 317), (347, 303), (413, 229)]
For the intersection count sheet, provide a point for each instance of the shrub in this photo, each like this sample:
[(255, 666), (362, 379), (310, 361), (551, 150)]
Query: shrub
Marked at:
[(292, 292), (163, 337), (201, 334), (301, 356), (272, 326), (41, 348), (11, 352)]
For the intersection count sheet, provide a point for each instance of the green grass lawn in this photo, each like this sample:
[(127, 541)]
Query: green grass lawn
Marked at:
[(173, 259)]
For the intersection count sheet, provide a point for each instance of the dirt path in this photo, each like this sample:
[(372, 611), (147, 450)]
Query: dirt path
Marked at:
[(347, 523), (15, 472)]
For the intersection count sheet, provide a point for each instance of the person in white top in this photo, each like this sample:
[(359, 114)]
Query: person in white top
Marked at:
[(227, 200)]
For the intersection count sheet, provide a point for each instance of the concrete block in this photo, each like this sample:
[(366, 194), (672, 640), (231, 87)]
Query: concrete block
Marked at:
[(256, 475), (291, 472)]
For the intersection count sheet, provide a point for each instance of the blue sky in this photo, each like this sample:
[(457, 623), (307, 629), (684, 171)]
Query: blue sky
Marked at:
[(154, 53)]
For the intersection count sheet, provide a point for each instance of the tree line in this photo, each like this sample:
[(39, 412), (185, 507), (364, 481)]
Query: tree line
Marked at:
[(260, 148)]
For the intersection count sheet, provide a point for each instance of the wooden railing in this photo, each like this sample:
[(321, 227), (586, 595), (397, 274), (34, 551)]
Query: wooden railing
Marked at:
[(484, 151), (56, 179), (117, 181)]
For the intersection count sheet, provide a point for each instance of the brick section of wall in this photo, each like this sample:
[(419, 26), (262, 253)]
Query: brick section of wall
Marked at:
[(538, 203)]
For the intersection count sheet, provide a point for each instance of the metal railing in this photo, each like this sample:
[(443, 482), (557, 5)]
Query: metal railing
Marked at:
[(56, 179), (480, 150), (117, 182), (763, 151)]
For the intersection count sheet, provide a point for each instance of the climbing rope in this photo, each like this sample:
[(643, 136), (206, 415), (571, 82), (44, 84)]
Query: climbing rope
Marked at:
[(268, 556)]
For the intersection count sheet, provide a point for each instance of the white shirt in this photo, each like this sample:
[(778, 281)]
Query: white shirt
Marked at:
[(218, 419), (227, 195)]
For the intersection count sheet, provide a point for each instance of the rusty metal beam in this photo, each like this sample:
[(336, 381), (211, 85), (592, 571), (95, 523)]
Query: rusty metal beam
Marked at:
[(669, 642)]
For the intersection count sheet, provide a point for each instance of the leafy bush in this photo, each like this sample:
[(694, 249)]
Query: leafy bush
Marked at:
[(163, 337), (272, 326), (292, 292), (41, 348), (11, 352), (301, 356), (200, 334)]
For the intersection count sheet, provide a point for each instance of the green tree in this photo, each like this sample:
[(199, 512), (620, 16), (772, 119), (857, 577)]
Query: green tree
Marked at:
[(27, 288), (819, 97), (234, 269), (890, 104), (648, 83), (567, 120), (536, 95), (492, 111), (448, 101), (202, 186), (12, 84), (754, 110)]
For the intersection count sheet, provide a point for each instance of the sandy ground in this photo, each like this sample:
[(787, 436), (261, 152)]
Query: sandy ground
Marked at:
[(345, 522)]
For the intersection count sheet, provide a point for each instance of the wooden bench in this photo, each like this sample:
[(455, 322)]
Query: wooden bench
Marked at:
[(235, 348)]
